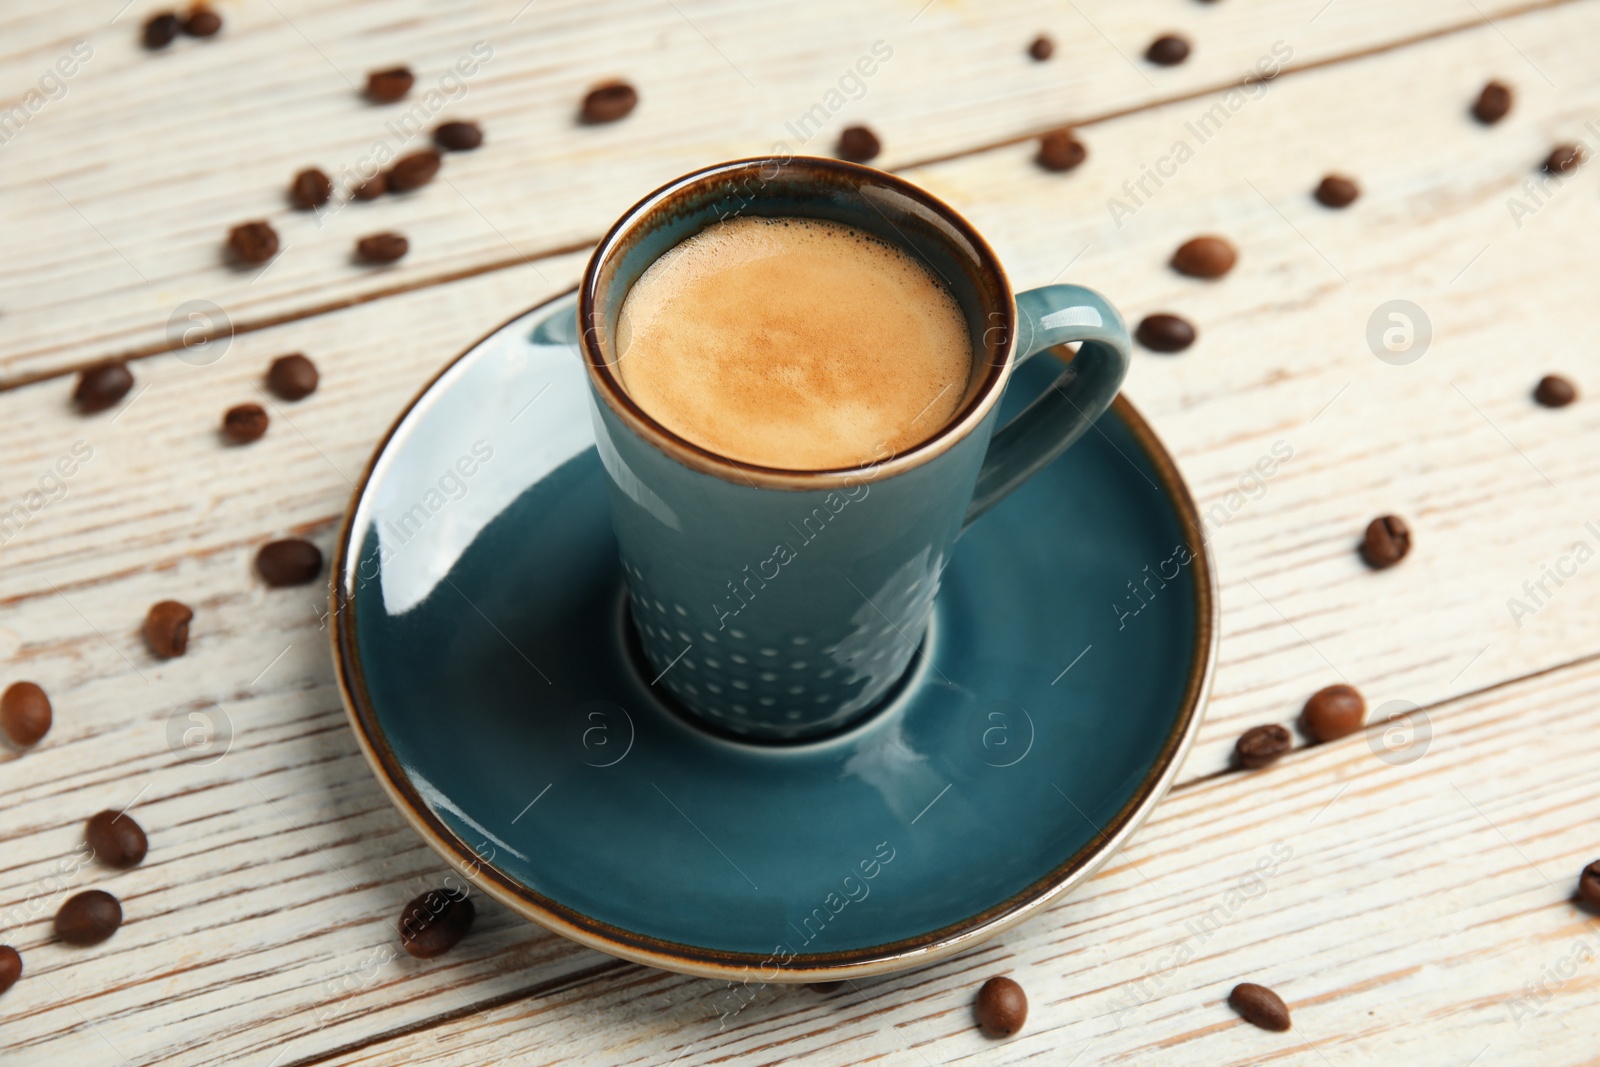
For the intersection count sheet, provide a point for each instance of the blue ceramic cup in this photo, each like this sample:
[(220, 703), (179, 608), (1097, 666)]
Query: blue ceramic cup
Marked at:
[(783, 605)]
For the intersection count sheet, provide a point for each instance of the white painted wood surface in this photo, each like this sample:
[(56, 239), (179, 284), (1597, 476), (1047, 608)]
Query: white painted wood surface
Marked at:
[(275, 872)]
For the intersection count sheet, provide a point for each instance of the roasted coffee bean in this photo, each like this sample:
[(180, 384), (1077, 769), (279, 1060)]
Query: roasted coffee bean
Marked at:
[(372, 188), (825, 988), (458, 136), (608, 102), (166, 628), (292, 377), (1002, 1007), (387, 86), (1168, 51), (1165, 333), (253, 242), (88, 918), (1333, 712), (1492, 104), (1589, 884), (1205, 257), (435, 922), (202, 22), (1337, 192), (1060, 150), (10, 967), (858, 144), (244, 423), (116, 839), (1387, 541), (25, 714), (1563, 159), (289, 562), (1261, 745), (161, 30), (310, 189), (101, 387), (1042, 48), (1554, 391), (1259, 1006), (382, 248), (413, 171)]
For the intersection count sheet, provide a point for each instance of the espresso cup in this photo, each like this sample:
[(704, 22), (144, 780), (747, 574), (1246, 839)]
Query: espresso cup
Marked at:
[(783, 605)]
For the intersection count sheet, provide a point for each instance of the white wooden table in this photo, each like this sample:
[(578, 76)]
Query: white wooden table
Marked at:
[(1421, 911)]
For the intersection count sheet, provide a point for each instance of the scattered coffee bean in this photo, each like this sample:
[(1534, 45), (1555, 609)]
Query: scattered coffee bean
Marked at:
[(435, 922), (1589, 885), (1563, 159), (825, 988), (1492, 104), (1060, 150), (382, 248), (1337, 192), (1205, 257), (1259, 1006), (166, 628), (413, 171), (1168, 51), (10, 967), (608, 102), (310, 189), (458, 136), (1042, 48), (289, 562), (1002, 1007), (1554, 391), (387, 86), (116, 839), (292, 377), (1387, 541), (202, 22), (88, 918), (1333, 712), (244, 423), (253, 242), (858, 144), (25, 714), (1261, 745), (372, 188), (161, 30), (101, 387), (1165, 333)]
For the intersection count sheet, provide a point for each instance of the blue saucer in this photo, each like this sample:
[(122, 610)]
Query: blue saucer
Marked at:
[(483, 646)]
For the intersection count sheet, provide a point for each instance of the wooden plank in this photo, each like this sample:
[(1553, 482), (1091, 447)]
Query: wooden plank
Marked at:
[(121, 181)]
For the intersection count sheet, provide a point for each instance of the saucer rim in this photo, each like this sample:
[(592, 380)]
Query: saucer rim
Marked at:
[(705, 962)]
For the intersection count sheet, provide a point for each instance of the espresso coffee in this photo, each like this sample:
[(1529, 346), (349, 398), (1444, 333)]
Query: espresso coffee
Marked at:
[(795, 343)]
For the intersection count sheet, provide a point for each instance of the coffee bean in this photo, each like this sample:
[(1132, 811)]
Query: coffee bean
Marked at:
[(1337, 192), (372, 188), (10, 967), (310, 189), (1387, 541), (387, 86), (202, 22), (161, 30), (1165, 333), (1168, 51), (166, 628), (1060, 150), (1042, 48), (1589, 884), (292, 377), (382, 248), (289, 562), (1563, 159), (1333, 712), (1204, 257), (88, 918), (858, 144), (825, 988), (435, 922), (101, 387), (25, 714), (116, 839), (1261, 745), (253, 242), (608, 102), (1492, 104), (458, 136), (413, 171), (244, 423), (1002, 1007), (1260, 1006), (1554, 391)]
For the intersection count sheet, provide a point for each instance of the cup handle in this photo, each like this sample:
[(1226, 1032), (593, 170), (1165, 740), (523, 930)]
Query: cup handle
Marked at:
[(1046, 317)]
